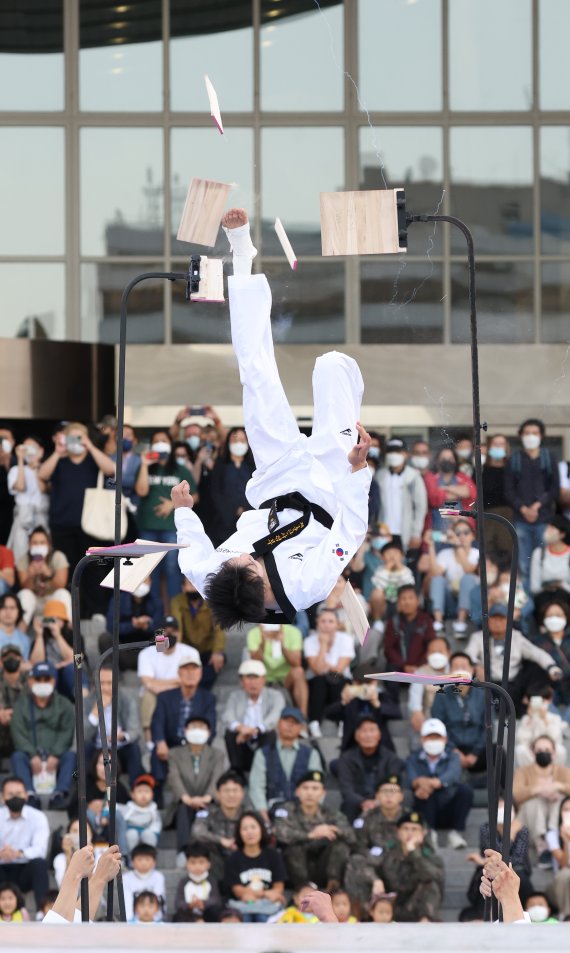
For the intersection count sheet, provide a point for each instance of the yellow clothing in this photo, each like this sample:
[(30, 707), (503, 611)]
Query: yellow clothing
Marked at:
[(17, 917), (198, 630), (292, 915)]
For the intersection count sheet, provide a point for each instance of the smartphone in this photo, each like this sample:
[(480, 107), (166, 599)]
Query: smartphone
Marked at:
[(197, 411), (152, 455), (438, 536)]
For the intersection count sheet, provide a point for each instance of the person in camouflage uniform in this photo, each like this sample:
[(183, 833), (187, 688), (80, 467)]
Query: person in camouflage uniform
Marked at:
[(316, 840), (216, 824), (374, 830), (413, 871)]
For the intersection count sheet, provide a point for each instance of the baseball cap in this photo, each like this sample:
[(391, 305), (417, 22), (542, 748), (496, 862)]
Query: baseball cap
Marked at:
[(54, 609), (169, 621), (311, 776), (42, 669), (433, 726), (145, 779), (10, 649), (189, 656), (410, 817), (391, 779), (109, 420), (395, 443), (498, 608), (291, 712), (252, 667)]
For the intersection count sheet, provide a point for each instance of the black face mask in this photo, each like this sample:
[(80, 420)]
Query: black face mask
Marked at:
[(194, 596), (446, 466), (171, 641), (15, 804), (543, 758), (11, 665)]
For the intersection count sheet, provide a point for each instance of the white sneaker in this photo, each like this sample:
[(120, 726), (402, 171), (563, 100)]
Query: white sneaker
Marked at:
[(432, 838), (437, 626), (455, 840), (459, 629), (315, 729), (378, 626), (180, 860)]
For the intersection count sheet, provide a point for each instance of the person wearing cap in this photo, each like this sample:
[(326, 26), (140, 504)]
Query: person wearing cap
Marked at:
[(53, 643), (13, 681), (140, 613), (280, 648), (193, 770), (277, 766), (462, 710), (403, 497), (250, 715), (199, 629), (374, 829), (43, 729), (128, 729), (141, 814), (434, 775), (216, 824), (360, 769), (158, 671), (43, 573), (316, 840), (410, 869), (530, 667), (174, 708)]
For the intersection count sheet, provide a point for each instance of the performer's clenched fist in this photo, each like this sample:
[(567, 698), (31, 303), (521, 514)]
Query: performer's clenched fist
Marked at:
[(358, 454), (234, 217), (181, 496)]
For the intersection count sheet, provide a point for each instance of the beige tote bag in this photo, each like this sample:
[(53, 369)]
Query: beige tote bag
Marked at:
[(98, 515)]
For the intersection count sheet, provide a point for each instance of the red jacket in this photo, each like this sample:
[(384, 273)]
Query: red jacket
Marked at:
[(437, 498), (394, 641)]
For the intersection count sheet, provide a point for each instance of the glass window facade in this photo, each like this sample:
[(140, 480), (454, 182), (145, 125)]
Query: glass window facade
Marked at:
[(104, 120)]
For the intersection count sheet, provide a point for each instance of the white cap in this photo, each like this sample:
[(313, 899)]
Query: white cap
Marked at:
[(433, 726), (252, 667), (189, 656)]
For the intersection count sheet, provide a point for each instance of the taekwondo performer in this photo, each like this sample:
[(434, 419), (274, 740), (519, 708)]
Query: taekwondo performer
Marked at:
[(310, 494)]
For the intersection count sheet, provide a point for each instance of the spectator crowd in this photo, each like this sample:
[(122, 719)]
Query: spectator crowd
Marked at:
[(241, 770)]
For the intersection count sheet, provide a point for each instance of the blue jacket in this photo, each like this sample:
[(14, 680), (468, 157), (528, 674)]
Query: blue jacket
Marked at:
[(128, 608), (166, 719), (448, 767), (463, 716)]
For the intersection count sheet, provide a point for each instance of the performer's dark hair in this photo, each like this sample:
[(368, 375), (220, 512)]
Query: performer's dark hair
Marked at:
[(235, 595)]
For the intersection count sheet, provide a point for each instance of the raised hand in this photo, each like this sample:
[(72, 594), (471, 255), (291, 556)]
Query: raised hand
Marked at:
[(181, 496)]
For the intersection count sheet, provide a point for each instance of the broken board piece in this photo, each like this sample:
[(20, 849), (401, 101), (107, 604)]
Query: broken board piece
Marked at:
[(211, 280), (214, 104), (285, 243), (360, 223), (203, 210), (355, 612)]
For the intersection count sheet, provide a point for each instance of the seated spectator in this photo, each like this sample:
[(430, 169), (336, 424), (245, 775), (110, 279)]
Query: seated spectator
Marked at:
[(462, 710), (31, 500), (140, 613), (540, 720), (158, 671), (554, 638), (316, 839), (216, 824), (13, 681), (342, 906), (538, 789), (434, 775), (494, 590), (174, 708), (446, 484), (388, 579), (280, 648), (255, 873), (368, 559), (277, 767), (43, 573), (375, 829), (530, 667), (559, 888), (128, 728), (250, 715), (43, 729), (360, 769), (296, 912), (7, 570), (197, 628), (381, 908), (141, 814), (53, 643), (229, 478), (12, 904), (453, 574), (147, 908), (193, 770), (410, 869), (144, 876), (69, 844), (97, 792), (408, 633), (363, 696), (550, 566), (198, 890), (539, 909), (24, 836), (11, 630), (420, 698), (334, 601), (328, 653)]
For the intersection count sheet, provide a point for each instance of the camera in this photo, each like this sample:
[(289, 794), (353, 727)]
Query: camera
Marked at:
[(197, 411)]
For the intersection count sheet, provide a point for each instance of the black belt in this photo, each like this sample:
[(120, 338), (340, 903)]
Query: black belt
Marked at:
[(294, 501)]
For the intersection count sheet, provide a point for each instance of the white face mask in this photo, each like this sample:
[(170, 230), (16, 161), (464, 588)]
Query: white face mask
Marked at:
[(239, 448), (538, 914), (31, 451), (437, 660), (374, 453), (161, 446), (199, 878), (434, 746), (197, 736), (181, 461), (420, 463), (555, 623), (464, 454), (7, 445), (76, 448), (530, 441), (270, 627), (144, 874), (194, 441), (39, 550), (141, 591), (500, 815), (42, 689), (395, 459)]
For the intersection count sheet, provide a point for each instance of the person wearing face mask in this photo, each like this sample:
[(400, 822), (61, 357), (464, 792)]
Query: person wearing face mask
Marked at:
[(420, 456), (554, 638), (24, 839), (421, 696), (532, 489), (550, 566), (53, 643), (540, 720), (538, 790), (230, 476), (7, 461), (403, 497), (159, 472), (140, 613), (199, 629), (43, 728), (434, 775), (69, 844), (368, 559), (446, 485), (462, 710), (464, 451), (539, 909), (131, 466), (13, 681), (43, 573), (497, 537), (193, 771), (31, 500)]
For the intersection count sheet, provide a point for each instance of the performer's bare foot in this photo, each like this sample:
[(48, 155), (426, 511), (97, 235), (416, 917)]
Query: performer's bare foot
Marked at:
[(234, 217)]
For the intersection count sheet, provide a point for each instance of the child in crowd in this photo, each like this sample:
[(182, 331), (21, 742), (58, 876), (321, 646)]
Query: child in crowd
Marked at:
[(230, 916), (381, 908), (46, 904), (197, 891), (69, 844), (146, 908), (342, 906), (388, 578), (144, 877), (295, 912), (141, 814), (12, 909)]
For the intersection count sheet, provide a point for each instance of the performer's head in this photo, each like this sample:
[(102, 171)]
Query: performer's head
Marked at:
[(236, 593)]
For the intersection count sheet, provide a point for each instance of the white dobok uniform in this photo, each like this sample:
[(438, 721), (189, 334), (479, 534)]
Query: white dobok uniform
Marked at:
[(304, 567)]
